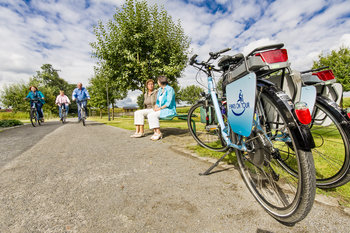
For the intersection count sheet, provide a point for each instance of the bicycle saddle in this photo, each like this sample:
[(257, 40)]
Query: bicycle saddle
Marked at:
[(228, 60)]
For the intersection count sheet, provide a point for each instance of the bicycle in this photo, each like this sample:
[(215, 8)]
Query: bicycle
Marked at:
[(263, 130), (330, 125), (82, 110), (331, 129), (33, 113)]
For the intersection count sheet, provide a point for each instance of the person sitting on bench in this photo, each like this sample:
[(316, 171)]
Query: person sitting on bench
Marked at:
[(149, 102), (165, 107)]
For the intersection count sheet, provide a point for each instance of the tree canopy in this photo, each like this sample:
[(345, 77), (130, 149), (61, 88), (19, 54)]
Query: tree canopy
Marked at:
[(191, 94), (339, 62), (140, 42)]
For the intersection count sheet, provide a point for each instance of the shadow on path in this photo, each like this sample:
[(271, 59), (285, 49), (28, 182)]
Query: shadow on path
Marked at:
[(14, 141)]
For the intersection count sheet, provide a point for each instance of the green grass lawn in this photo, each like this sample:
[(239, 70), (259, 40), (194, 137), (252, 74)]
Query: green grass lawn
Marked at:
[(346, 102)]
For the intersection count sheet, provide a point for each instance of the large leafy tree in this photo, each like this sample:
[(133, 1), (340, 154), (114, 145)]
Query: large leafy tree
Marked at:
[(98, 90), (140, 42), (191, 94), (339, 62), (50, 83)]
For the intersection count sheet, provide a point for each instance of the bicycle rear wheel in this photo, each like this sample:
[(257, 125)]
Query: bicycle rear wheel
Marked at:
[(204, 127), (331, 134), (286, 197)]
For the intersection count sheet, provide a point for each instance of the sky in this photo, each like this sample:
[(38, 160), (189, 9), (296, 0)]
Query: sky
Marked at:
[(59, 32)]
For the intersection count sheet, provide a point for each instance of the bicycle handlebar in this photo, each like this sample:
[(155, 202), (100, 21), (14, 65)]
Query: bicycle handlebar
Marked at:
[(314, 70), (212, 56), (79, 101)]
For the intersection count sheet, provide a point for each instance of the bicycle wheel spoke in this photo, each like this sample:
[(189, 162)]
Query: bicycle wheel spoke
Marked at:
[(325, 157)]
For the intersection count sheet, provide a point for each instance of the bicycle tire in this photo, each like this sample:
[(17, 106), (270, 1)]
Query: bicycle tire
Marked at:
[(64, 115), (285, 197), (82, 115), (335, 151), (33, 117), (210, 135)]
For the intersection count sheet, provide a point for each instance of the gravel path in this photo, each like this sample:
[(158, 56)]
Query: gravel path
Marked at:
[(97, 179)]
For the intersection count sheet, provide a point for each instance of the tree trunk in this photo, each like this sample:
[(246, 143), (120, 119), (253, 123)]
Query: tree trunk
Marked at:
[(100, 113), (113, 110)]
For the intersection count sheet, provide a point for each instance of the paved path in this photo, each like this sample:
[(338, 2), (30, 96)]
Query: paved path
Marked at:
[(96, 179)]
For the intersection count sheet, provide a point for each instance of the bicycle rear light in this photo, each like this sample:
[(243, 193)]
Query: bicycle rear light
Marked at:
[(325, 75), (303, 113), (274, 56)]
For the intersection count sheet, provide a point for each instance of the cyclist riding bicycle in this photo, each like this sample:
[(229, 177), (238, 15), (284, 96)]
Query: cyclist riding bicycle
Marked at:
[(37, 98), (62, 99), (80, 95)]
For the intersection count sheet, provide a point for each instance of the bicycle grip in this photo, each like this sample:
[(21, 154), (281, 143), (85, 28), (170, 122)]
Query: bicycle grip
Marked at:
[(224, 50), (193, 58)]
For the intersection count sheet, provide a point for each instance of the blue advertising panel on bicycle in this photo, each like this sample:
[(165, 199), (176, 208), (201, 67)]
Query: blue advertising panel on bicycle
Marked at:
[(241, 104)]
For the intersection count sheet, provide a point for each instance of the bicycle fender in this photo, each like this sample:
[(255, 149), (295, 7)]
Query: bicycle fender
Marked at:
[(335, 107), (301, 132)]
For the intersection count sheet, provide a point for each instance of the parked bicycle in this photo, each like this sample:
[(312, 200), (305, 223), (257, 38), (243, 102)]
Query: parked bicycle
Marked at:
[(330, 125), (260, 124)]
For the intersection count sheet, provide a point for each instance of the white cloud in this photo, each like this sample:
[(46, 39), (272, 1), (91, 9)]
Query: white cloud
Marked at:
[(59, 31)]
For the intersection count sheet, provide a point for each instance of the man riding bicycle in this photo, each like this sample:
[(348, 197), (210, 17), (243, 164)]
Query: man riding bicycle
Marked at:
[(81, 95), (37, 98), (62, 99)]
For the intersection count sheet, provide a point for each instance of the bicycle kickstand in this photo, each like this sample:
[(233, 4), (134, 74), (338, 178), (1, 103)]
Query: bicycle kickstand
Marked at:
[(207, 172)]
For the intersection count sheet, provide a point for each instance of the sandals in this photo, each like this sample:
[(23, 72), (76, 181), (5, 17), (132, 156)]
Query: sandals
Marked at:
[(137, 135), (156, 137)]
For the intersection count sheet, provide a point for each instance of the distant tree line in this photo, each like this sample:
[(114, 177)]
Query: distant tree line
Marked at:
[(47, 80)]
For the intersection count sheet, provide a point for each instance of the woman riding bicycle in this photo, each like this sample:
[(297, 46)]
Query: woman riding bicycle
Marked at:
[(36, 98), (62, 99)]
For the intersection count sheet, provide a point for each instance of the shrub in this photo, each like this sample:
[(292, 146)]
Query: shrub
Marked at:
[(9, 123)]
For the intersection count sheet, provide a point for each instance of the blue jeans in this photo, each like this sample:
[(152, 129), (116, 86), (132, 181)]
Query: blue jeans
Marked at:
[(60, 112), (79, 106), (38, 106)]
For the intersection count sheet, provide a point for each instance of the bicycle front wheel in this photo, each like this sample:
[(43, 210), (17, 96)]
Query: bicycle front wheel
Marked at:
[(82, 114), (64, 115), (33, 117), (204, 127), (285, 196)]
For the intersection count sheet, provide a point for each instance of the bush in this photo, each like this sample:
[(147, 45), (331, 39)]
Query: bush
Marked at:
[(9, 123)]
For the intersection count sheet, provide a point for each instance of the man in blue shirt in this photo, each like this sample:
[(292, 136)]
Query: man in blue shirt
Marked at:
[(81, 95)]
